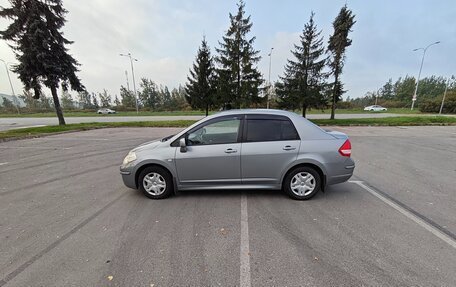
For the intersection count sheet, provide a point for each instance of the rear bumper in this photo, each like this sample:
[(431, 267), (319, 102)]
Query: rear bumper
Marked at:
[(339, 178), (343, 174)]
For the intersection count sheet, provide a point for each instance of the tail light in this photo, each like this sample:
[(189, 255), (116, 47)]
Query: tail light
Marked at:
[(346, 149)]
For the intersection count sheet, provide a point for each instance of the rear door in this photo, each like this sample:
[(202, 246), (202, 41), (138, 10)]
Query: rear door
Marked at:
[(270, 144)]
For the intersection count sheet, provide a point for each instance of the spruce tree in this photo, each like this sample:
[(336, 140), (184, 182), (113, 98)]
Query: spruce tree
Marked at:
[(302, 85), (200, 89), (238, 78), (337, 44), (39, 45)]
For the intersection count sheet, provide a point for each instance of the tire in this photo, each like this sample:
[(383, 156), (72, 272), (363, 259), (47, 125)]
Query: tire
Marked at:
[(155, 182), (304, 190)]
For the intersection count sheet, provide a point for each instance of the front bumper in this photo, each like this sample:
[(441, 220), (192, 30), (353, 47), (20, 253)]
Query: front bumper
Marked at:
[(128, 177)]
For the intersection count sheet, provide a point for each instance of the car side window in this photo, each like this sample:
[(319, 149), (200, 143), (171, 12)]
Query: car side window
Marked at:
[(223, 131), (289, 132), (262, 130)]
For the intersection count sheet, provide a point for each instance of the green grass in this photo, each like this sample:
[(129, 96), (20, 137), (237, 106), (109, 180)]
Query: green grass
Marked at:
[(187, 113), (361, 111), (393, 121), (94, 114), (40, 131)]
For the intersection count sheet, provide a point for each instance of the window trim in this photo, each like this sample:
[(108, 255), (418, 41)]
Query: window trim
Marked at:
[(267, 117)]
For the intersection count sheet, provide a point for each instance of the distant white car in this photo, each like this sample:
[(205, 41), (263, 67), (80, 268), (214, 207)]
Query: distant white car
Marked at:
[(106, 111), (375, 108)]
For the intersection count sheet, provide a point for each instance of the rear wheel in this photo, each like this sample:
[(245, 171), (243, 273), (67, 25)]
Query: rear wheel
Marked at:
[(302, 183), (155, 182)]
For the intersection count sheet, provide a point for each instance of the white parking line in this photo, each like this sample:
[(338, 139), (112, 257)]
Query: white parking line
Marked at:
[(3, 163), (408, 214), (245, 253)]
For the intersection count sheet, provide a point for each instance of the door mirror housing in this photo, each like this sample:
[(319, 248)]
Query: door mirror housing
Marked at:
[(183, 145)]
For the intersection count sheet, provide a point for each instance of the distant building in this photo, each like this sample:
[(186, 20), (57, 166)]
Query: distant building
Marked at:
[(15, 99)]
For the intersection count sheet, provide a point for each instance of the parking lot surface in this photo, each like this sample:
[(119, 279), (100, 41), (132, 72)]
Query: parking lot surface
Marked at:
[(66, 219)]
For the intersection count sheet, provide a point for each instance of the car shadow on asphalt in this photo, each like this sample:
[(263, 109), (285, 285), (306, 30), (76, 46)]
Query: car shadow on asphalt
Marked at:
[(340, 191), (334, 192), (230, 193)]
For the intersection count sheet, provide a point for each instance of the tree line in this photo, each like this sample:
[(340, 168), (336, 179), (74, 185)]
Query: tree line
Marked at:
[(398, 94), (151, 97), (231, 78)]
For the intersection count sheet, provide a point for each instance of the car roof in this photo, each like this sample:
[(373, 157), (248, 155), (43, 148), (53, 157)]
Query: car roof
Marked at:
[(258, 111), (306, 128)]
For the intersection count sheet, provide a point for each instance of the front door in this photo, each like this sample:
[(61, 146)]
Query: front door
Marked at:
[(213, 154)]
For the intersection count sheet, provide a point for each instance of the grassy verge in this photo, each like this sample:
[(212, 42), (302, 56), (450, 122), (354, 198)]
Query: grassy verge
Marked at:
[(186, 113), (393, 121), (41, 131), (94, 114), (362, 111)]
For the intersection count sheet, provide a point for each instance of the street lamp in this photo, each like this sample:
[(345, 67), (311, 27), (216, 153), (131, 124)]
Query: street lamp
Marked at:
[(421, 67), (269, 77), (444, 94), (133, 75), (11, 84)]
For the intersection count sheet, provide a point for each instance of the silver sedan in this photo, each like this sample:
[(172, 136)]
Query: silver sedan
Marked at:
[(242, 149)]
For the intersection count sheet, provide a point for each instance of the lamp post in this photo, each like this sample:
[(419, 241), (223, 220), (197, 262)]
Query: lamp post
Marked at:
[(11, 84), (133, 75), (269, 77), (126, 76), (444, 94), (421, 67)]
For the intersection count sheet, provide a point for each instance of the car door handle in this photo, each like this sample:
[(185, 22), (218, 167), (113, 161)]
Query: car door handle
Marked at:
[(289, 147), (230, 150)]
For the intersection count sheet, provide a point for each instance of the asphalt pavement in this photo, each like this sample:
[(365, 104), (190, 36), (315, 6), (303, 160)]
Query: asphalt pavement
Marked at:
[(14, 123), (66, 219)]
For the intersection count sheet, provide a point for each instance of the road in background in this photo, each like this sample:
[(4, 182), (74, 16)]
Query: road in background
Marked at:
[(14, 123), (66, 219)]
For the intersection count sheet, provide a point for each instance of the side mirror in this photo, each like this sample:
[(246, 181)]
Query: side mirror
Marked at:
[(183, 145)]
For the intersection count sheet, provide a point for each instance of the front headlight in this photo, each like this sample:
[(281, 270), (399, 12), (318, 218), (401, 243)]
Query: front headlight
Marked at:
[(131, 156)]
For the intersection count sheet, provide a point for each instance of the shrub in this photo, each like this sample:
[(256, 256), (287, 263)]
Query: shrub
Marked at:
[(433, 106)]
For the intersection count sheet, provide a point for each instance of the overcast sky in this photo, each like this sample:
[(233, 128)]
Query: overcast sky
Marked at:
[(165, 34)]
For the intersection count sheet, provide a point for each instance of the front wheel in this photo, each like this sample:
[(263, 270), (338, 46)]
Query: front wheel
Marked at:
[(302, 183), (155, 182)]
